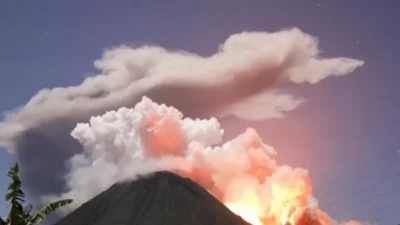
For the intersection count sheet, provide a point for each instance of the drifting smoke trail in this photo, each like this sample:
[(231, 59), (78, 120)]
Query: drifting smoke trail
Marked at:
[(243, 173)]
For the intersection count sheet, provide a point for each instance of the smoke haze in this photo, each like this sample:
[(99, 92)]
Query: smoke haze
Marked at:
[(242, 79)]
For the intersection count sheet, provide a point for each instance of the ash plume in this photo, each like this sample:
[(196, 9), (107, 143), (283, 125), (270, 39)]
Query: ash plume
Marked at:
[(241, 173), (244, 73)]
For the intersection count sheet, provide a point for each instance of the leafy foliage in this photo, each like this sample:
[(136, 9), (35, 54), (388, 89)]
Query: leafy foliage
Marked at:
[(20, 215), (16, 197), (42, 213)]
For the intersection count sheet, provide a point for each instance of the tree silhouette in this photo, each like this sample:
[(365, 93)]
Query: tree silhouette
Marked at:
[(20, 215)]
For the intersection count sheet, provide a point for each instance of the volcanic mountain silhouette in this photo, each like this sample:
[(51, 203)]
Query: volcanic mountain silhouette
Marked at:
[(162, 198)]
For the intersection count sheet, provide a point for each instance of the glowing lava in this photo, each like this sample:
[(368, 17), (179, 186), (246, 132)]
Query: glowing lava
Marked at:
[(284, 216), (247, 211)]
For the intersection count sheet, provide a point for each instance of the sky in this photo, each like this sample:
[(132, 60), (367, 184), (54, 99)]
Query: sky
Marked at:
[(347, 133)]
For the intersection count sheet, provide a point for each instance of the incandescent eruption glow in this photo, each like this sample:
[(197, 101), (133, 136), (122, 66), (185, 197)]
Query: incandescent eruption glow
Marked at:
[(247, 205), (246, 211), (284, 216)]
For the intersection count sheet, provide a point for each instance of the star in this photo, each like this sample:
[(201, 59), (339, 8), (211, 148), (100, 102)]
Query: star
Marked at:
[(319, 4), (47, 33)]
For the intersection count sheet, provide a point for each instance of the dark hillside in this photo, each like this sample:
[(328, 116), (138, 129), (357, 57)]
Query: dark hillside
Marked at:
[(162, 198)]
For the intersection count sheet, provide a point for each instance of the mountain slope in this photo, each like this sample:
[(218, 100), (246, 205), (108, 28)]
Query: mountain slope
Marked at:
[(162, 198)]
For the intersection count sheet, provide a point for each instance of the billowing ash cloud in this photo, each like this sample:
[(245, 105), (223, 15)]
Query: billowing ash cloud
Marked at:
[(242, 173), (241, 79)]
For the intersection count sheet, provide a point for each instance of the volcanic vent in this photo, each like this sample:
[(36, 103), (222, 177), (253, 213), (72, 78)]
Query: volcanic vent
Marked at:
[(160, 198)]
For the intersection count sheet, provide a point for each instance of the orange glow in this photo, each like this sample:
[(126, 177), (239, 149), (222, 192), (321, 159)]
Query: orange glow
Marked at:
[(284, 216), (246, 211), (251, 212), (161, 136), (247, 206)]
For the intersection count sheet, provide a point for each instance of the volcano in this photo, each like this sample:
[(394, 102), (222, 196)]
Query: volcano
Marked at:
[(160, 198)]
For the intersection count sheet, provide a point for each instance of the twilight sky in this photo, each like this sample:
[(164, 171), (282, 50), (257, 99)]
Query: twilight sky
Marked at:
[(347, 133)]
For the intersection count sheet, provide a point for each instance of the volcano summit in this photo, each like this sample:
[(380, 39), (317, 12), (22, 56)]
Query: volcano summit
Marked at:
[(160, 198)]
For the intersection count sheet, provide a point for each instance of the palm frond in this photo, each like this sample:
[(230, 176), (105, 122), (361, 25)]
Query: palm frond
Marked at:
[(16, 197), (28, 212), (42, 213)]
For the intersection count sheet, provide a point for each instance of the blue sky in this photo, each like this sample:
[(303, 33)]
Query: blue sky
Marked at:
[(347, 134)]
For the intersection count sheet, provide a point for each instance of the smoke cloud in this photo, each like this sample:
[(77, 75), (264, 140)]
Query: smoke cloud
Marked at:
[(242, 79)]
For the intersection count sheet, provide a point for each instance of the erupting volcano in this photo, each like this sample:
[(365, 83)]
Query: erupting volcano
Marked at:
[(241, 173), (242, 80)]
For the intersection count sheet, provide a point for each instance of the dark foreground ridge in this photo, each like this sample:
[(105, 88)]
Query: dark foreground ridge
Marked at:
[(162, 198)]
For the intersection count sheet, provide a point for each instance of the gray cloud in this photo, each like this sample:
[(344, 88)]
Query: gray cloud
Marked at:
[(242, 78)]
